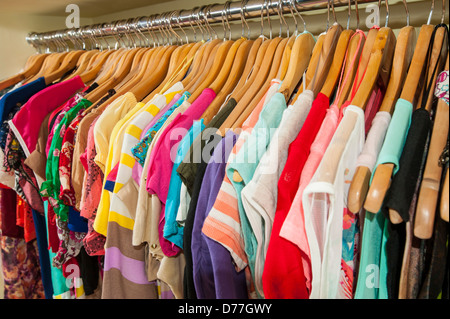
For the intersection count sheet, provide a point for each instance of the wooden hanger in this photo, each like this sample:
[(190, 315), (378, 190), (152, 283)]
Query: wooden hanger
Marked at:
[(256, 80), (83, 62), (383, 173), (121, 71), (198, 75), (309, 74), (379, 64), (185, 60), (338, 60), (195, 67), (251, 60), (69, 63), (300, 49), (188, 60), (327, 54), (235, 75), (274, 69), (32, 68), (299, 60), (244, 86), (137, 71), (350, 68), (221, 78), (282, 70), (111, 66), (365, 55), (52, 63), (402, 58), (177, 69), (237, 91), (154, 76), (136, 67), (429, 189), (96, 66), (223, 50), (438, 54), (444, 199)]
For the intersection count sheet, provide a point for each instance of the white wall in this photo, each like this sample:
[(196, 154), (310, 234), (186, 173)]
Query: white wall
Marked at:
[(14, 50)]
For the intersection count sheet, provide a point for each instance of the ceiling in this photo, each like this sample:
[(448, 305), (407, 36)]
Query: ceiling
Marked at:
[(88, 8)]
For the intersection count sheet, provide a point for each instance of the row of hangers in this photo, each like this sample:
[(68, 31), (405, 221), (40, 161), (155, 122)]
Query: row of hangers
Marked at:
[(410, 79), (243, 69)]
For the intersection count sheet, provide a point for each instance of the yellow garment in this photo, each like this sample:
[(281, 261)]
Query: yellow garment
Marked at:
[(101, 220), (106, 123)]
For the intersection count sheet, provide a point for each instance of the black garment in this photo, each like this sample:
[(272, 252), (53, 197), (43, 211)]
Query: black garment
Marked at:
[(401, 191), (446, 285), (436, 265), (405, 184), (89, 271), (189, 288), (189, 167)]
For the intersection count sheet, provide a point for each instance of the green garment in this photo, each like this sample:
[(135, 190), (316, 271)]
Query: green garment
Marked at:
[(51, 187)]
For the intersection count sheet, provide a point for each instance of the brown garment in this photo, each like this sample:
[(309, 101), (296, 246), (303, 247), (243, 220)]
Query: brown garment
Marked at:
[(37, 160), (78, 170)]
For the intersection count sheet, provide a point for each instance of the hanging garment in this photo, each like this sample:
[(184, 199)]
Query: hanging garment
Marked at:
[(158, 177), (12, 101), (259, 195), (295, 286), (368, 285), (123, 209), (203, 147), (203, 262), (172, 231), (26, 123), (331, 230)]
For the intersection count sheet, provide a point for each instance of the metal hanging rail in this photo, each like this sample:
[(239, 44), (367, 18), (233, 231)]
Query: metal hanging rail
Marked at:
[(211, 14)]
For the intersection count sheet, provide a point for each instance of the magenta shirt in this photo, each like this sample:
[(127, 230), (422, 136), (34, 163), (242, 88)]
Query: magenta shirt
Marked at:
[(27, 122), (160, 166)]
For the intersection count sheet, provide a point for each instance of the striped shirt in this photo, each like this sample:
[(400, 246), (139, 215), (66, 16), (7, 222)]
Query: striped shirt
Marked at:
[(223, 224), (125, 269)]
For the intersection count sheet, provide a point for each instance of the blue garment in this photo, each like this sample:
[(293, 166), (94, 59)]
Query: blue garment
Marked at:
[(173, 232), (44, 258), (141, 149), (76, 222), (11, 102)]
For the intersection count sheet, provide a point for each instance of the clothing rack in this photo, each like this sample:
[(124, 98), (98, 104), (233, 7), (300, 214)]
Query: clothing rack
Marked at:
[(211, 14)]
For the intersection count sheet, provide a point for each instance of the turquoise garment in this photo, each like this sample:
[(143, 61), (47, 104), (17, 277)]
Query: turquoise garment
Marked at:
[(373, 268), (246, 162), (396, 134), (59, 282), (173, 232), (140, 150)]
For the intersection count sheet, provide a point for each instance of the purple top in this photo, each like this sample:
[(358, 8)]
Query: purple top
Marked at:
[(215, 277)]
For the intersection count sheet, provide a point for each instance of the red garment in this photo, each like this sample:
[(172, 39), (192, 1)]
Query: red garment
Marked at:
[(8, 207), (24, 219), (67, 193), (283, 275), (53, 239)]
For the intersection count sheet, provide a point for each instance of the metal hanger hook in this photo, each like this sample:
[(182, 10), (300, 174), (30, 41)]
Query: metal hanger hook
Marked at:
[(431, 12)]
